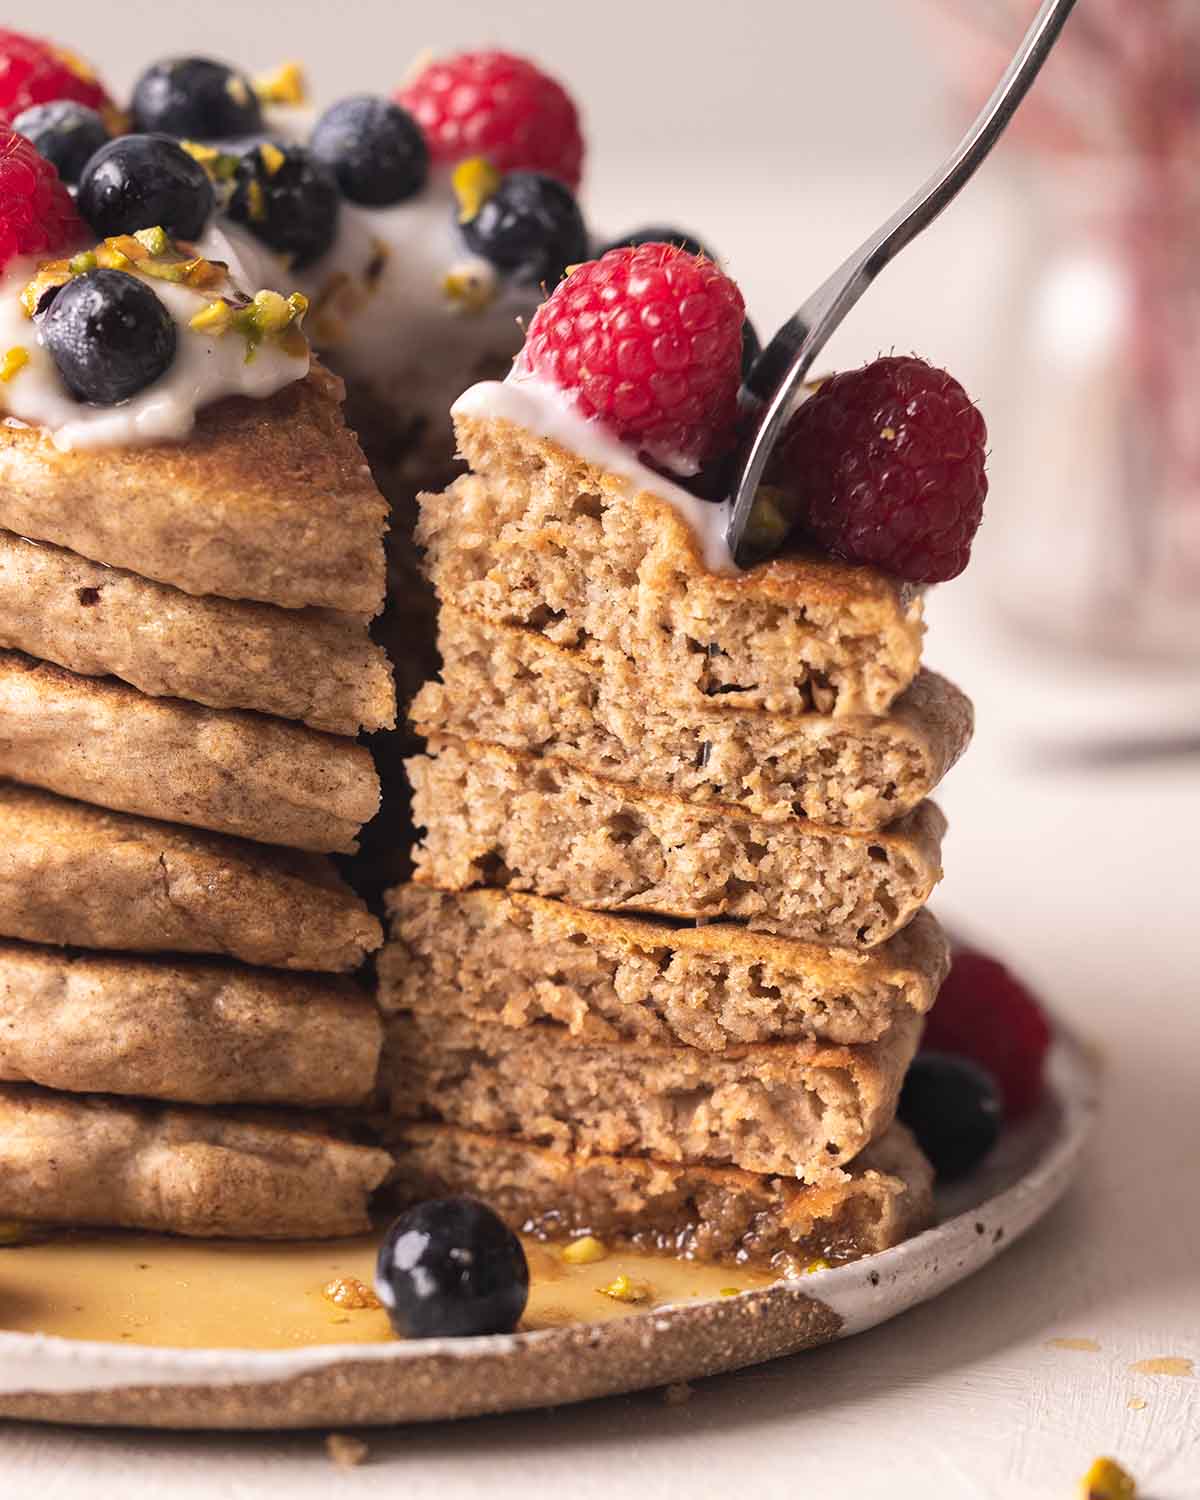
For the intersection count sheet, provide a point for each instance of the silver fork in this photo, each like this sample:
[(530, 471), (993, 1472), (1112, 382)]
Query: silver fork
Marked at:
[(778, 373)]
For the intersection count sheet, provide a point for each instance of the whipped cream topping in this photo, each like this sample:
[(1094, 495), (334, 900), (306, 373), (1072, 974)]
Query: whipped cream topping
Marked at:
[(206, 368), (542, 408)]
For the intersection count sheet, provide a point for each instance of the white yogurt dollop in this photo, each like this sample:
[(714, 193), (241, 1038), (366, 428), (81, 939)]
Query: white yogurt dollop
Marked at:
[(542, 408), (397, 329), (206, 368)]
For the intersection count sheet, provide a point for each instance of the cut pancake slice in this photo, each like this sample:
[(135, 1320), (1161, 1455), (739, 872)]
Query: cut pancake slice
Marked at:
[(234, 772), (519, 960), (539, 537), (268, 499), (798, 1109), (196, 1032), (80, 876), (313, 665), (492, 817), (515, 687), (701, 1212), (82, 1161)]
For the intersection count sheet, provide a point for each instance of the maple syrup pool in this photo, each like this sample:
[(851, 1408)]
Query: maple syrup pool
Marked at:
[(191, 1294)]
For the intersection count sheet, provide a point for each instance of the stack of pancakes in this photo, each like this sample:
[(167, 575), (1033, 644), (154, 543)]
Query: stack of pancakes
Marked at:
[(185, 667), (665, 960)]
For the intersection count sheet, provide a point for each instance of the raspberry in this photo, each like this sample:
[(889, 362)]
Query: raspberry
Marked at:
[(986, 1014), (648, 340), (36, 211), (496, 105), (886, 466), (37, 72)]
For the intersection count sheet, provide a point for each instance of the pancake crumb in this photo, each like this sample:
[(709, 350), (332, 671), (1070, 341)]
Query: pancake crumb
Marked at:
[(345, 1452)]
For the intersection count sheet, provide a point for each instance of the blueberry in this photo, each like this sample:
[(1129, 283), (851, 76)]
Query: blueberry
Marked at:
[(109, 335), (530, 227), (451, 1268), (143, 182), (65, 133), (288, 199), (751, 347), (374, 148), (664, 234), (953, 1108), (196, 98)]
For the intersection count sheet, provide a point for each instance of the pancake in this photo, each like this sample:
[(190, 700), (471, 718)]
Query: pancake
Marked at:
[(502, 956), (313, 665), (518, 689), (495, 818), (796, 1109), (79, 876), (701, 1212), (538, 537), (192, 1031), (85, 1161), (101, 741), (268, 499)]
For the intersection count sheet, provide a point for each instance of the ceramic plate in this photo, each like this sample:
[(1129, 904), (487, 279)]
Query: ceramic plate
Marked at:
[(65, 1380)]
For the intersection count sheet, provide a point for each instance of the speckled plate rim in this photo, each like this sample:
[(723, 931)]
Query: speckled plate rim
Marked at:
[(56, 1379)]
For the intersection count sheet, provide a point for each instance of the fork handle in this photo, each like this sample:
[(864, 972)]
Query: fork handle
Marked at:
[(778, 373)]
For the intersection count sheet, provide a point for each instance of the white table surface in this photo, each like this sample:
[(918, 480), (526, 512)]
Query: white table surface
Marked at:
[(1084, 879)]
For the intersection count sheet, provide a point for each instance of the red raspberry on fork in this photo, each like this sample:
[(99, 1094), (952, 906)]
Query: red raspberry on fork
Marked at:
[(499, 106), (886, 466), (648, 341), (37, 214), (37, 72)]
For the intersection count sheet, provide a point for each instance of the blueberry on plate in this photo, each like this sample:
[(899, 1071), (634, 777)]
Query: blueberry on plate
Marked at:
[(109, 335), (64, 132), (143, 182), (451, 1268), (288, 199), (530, 227), (375, 149), (953, 1108), (196, 98), (664, 234)]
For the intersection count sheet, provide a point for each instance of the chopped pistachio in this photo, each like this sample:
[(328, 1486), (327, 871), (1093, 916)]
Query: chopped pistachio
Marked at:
[(217, 317), (474, 181), (84, 261), (584, 1252), (1107, 1480), (15, 359), (731, 1291), (628, 1289), (154, 240), (769, 523), (888, 434), (256, 201), (271, 311), (820, 1264), (285, 85), (470, 287), (112, 259), (131, 246), (349, 1291), (272, 158), (54, 273), (220, 165)]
